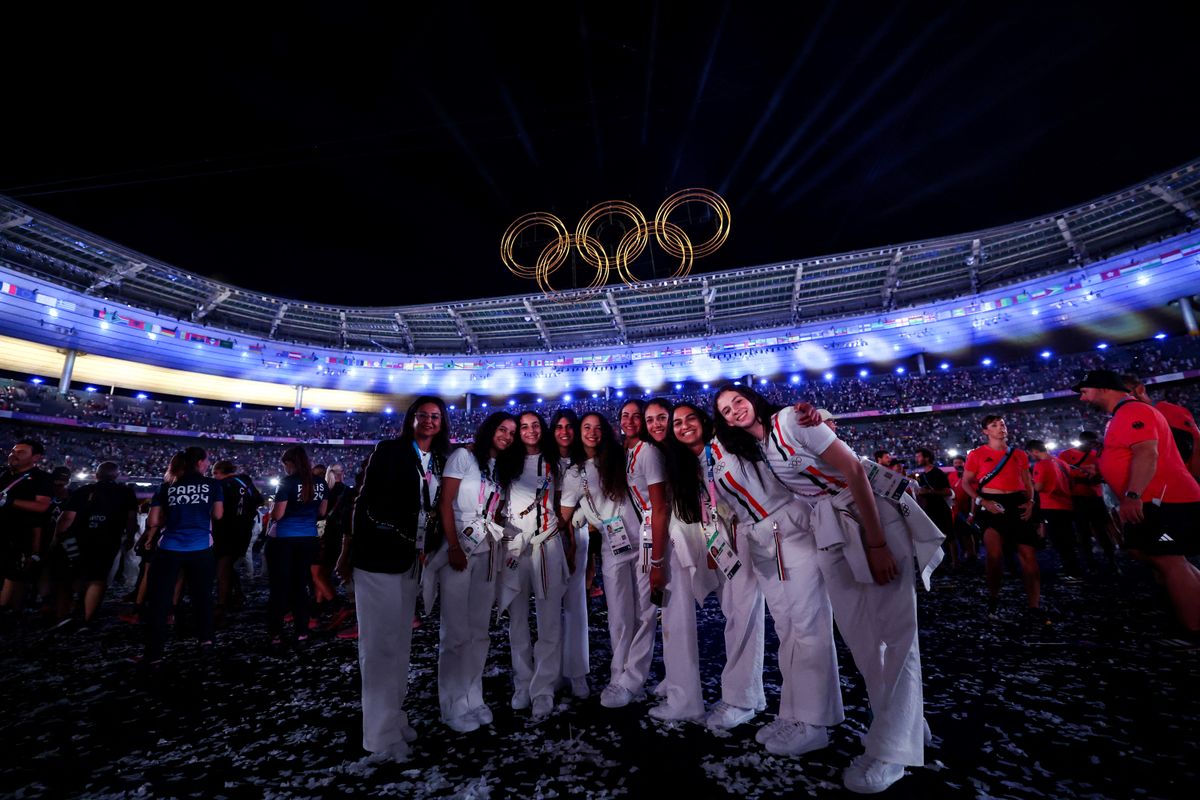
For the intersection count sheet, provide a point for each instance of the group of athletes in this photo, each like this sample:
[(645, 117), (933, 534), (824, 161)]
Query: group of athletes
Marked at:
[(765, 507)]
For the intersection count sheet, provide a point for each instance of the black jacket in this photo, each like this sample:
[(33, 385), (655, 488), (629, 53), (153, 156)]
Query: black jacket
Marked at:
[(387, 508)]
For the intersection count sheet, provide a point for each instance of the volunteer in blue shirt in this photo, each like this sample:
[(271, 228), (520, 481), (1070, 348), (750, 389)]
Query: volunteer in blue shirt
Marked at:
[(182, 511), (299, 503)]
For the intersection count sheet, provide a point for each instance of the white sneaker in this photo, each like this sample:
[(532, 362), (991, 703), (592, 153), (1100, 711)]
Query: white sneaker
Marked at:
[(664, 712), (520, 699), (724, 716), (463, 724), (867, 775), (615, 696), (796, 738), (768, 731), (399, 752), (481, 714), (543, 704), (579, 688)]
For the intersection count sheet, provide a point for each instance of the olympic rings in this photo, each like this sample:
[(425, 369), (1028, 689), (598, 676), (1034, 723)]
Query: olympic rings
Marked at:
[(669, 235)]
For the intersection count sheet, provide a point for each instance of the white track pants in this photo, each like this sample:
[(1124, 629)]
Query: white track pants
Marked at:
[(743, 605), (803, 621), (576, 662), (632, 619), (385, 605), (879, 624), (681, 655), (538, 667), (467, 598)]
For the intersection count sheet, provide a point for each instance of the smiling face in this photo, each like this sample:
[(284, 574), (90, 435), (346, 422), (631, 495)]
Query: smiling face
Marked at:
[(631, 421), (427, 422), (657, 419), (564, 433), (591, 432), (530, 429), (502, 439), (736, 409), (688, 428)]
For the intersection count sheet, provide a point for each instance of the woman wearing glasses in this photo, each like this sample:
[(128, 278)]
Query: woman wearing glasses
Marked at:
[(395, 520)]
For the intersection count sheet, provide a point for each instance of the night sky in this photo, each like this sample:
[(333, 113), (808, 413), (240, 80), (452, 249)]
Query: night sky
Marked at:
[(332, 155)]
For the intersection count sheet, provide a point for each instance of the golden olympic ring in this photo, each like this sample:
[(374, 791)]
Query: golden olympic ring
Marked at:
[(669, 235), (554, 254)]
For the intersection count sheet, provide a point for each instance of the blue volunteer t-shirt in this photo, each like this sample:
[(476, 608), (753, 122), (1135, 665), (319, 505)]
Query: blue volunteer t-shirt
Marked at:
[(299, 518), (187, 506)]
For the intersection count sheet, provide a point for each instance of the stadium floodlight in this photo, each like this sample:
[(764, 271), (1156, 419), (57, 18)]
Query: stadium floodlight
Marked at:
[(1102, 346), (512, 402), (390, 410), (81, 476), (483, 405), (828, 376), (762, 381), (705, 386), (1046, 354), (274, 481), (103, 326), (795, 379), (899, 370), (620, 393), (952, 452), (987, 362), (35, 380), (1160, 335), (237, 405), (152, 336), (191, 402), (316, 412), (1143, 279), (1075, 443), (944, 365), (90, 389), (540, 401), (566, 398), (862, 373), (678, 387), (143, 396), (349, 410), (1051, 446), (451, 408), (595, 395)]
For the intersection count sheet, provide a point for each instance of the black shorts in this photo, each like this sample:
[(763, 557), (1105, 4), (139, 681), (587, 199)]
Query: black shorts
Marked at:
[(96, 557), (1012, 529), (1171, 529), (231, 544)]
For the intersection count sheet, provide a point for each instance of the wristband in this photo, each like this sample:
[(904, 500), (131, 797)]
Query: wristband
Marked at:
[(1133, 495)]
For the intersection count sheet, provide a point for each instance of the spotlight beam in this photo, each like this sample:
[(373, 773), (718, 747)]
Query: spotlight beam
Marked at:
[(515, 115)]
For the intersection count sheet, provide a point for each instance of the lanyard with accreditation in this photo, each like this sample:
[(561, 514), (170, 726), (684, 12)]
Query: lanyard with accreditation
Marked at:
[(614, 527), (721, 548)]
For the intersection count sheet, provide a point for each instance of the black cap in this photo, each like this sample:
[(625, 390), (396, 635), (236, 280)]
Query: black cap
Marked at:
[(1101, 379)]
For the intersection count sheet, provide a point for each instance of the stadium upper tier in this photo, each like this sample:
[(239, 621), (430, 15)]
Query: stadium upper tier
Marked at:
[(1122, 253)]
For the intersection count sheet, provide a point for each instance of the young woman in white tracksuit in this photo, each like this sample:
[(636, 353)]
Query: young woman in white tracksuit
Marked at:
[(697, 533), (537, 560), (601, 489), (878, 620), (473, 497), (396, 501), (576, 663)]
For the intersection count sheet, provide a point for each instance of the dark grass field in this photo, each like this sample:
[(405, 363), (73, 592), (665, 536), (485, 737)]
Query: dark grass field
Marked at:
[(1103, 704)]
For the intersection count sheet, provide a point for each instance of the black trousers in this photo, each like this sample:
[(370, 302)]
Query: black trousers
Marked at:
[(289, 564)]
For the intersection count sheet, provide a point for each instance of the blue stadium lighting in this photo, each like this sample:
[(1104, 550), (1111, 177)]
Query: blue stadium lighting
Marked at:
[(540, 401), (483, 405), (762, 382), (1160, 336), (143, 396), (1143, 280), (349, 410), (316, 412), (90, 389), (987, 362), (35, 380), (862, 373), (103, 326), (899, 370), (1102, 346), (191, 402), (620, 393), (245, 353), (944, 365), (795, 379), (828, 376), (512, 402), (595, 395), (737, 383), (152, 336), (1046, 354), (566, 398), (237, 405), (678, 386), (705, 387), (389, 410)]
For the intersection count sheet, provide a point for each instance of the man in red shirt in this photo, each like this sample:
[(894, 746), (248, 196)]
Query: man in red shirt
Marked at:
[(997, 479), (1092, 520), (1183, 424), (1053, 484), (1159, 499)]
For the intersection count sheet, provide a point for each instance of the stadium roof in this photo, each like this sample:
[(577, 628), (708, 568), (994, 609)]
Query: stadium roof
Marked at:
[(766, 296)]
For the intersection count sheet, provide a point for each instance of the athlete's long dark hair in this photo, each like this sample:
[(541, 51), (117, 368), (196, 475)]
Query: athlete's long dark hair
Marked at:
[(514, 458), (575, 453), (482, 449), (297, 456), (610, 459), (641, 407), (738, 441), (684, 467), (440, 445)]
